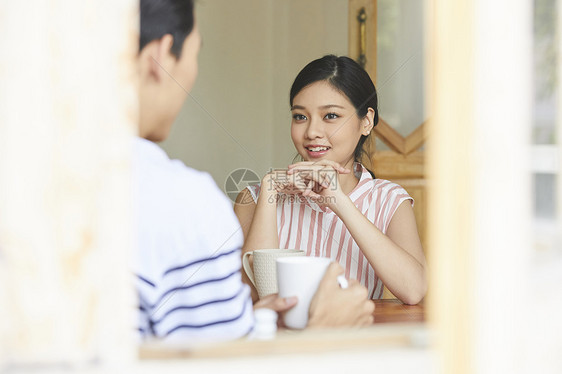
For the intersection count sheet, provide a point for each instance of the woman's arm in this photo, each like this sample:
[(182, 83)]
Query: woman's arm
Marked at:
[(397, 257), (244, 208), (258, 222)]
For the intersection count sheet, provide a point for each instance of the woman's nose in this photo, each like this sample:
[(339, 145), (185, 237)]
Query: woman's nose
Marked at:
[(314, 129)]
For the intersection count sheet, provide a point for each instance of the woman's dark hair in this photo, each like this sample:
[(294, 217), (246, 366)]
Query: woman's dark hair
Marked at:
[(346, 76), (161, 17)]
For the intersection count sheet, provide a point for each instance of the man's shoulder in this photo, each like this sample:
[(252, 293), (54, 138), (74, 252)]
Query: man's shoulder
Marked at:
[(157, 175), (181, 209)]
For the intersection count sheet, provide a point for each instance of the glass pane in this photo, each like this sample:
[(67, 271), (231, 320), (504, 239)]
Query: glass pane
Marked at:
[(544, 136), (545, 74), (545, 51), (400, 64), (545, 196)]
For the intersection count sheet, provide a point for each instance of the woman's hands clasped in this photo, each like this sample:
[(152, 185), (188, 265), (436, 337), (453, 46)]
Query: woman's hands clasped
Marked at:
[(318, 181)]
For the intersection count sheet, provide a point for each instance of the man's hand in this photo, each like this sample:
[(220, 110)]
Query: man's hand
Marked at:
[(278, 304), (333, 306)]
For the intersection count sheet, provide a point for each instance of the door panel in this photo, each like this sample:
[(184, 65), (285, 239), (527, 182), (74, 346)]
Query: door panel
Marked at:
[(393, 55)]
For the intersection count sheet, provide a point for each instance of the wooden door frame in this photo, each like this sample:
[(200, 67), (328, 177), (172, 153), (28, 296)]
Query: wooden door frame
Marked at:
[(404, 162)]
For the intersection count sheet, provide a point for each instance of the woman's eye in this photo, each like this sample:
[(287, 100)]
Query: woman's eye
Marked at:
[(331, 116), (299, 117)]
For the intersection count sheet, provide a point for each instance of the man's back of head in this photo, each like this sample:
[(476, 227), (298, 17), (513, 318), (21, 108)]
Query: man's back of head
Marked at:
[(168, 48)]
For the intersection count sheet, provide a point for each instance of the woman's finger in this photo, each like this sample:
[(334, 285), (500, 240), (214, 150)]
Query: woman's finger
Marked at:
[(315, 197), (308, 190), (334, 164), (319, 176), (316, 169), (301, 163)]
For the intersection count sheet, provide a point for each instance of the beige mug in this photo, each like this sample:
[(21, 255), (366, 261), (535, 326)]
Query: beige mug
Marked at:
[(264, 273)]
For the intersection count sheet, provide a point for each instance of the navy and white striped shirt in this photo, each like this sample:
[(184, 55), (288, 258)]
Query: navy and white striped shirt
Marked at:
[(187, 259)]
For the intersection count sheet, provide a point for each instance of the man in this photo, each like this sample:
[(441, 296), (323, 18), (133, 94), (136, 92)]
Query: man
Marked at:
[(187, 261)]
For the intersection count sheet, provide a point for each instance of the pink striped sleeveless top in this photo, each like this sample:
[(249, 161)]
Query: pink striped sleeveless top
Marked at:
[(302, 224)]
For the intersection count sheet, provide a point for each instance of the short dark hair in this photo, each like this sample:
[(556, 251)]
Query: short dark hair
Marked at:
[(161, 17), (349, 78)]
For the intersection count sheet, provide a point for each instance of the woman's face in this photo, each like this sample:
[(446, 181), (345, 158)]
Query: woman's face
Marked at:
[(325, 125)]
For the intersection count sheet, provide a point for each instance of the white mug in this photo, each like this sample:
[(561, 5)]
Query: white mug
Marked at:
[(300, 277), (264, 273)]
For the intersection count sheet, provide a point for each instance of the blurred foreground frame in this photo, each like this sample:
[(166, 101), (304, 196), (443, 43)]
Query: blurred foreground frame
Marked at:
[(69, 111)]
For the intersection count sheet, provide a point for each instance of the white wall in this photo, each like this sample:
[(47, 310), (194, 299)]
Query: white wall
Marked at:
[(238, 113), (304, 31)]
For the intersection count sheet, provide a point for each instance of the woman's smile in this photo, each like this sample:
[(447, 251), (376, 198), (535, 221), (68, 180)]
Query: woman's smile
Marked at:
[(316, 150)]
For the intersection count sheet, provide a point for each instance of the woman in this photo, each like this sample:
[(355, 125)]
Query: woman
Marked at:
[(329, 204)]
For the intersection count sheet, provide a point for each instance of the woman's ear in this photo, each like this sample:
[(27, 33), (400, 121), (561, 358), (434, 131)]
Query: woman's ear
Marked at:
[(367, 122)]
